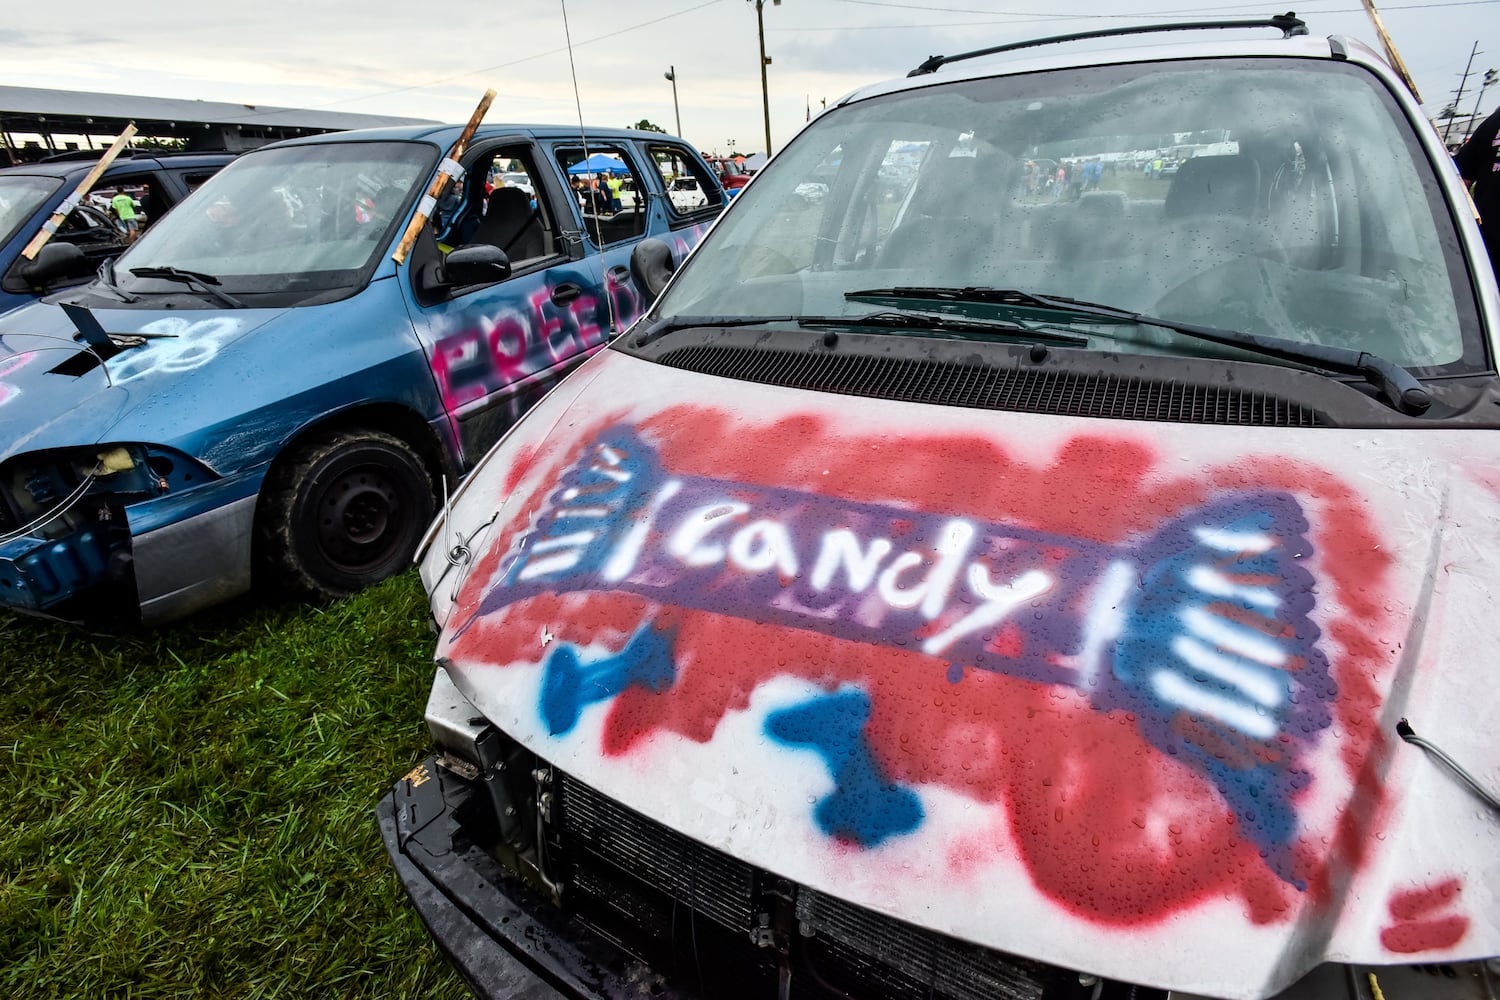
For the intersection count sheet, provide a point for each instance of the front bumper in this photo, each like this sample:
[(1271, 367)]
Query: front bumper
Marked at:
[(719, 929), (510, 939), (504, 939)]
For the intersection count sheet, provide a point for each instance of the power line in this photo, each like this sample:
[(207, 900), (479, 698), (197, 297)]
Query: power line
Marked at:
[(523, 59), (1045, 16), (1020, 18)]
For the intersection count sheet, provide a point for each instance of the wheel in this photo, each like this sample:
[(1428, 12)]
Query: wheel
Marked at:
[(342, 512)]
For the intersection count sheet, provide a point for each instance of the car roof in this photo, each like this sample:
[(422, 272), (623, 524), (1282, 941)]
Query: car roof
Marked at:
[(1069, 55), (77, 167), (446, 135)]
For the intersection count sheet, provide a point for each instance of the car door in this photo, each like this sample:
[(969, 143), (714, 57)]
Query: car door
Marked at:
[(495, 348), (610, 228), (694, 199)]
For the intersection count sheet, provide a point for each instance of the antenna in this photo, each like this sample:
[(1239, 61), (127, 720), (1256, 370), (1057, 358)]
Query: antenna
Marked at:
[(614, 321)]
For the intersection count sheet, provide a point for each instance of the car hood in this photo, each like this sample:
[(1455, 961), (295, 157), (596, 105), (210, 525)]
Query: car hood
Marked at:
[(44, 404), (1114, 695)]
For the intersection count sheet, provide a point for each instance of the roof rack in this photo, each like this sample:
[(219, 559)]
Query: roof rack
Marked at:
[(1289, 23), (84, 154)]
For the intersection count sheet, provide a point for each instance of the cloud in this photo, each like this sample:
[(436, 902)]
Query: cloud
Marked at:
[(384, 57)]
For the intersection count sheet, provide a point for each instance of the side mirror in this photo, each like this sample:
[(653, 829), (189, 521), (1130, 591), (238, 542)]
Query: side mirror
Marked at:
[(651, 266), (56, 262), (478, 264)]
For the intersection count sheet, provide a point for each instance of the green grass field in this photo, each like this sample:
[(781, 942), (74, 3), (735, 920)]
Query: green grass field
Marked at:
[(191, 808)]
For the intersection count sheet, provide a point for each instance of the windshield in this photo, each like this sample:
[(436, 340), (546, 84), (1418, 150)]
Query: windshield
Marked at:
[(20, 197), (291, 219), (1273, 196)]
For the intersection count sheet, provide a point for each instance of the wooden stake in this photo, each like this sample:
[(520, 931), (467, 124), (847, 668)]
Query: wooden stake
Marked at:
[(435, 190), (50, 226), (1390, 49), (1400, 68)]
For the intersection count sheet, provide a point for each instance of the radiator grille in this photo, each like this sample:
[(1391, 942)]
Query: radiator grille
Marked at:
[(865, 941), (857, 951), (714, 884), (1030, 390)]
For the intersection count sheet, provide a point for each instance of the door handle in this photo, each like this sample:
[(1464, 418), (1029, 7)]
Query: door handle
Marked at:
[(565, 293), (618, 275)]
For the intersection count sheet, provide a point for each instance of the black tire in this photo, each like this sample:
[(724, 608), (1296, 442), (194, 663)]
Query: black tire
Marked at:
[(341, 512)]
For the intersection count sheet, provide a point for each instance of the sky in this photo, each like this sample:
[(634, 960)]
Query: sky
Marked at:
[(434, 61)]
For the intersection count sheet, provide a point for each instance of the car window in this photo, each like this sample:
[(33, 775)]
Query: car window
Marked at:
[(193, 180), (1254, 199), (885, 195), (608, 189), (291, 219), (20, 196), (89, 226), (499, 204), (691, 192)]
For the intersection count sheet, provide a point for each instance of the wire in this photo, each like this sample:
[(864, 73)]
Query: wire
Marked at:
[(524, 59), (614, 326), (66, 504), (1409, 735), (1035, 17), (1139, 13)]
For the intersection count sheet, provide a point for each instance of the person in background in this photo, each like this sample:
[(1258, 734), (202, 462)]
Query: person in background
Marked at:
[(1479, 163), (124, 208), (614, 182)]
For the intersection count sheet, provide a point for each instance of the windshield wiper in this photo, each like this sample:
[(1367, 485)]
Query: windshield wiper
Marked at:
[(669, 323), (203, 282), (888, 320), (106, 280), (926, 321), (1396, 384)]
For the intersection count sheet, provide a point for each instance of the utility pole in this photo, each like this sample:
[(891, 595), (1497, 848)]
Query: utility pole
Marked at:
[(1458, 95), (765, 93), (1484, 84), (671, 74)]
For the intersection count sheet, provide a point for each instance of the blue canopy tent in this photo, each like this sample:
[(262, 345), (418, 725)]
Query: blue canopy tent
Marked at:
[(598, 164)]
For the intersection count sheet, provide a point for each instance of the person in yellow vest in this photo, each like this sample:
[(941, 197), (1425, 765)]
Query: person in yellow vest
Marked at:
[(614, 183), (124, 209)]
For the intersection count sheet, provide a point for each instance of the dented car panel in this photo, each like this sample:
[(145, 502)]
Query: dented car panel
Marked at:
[(884, 621), (167, 411)]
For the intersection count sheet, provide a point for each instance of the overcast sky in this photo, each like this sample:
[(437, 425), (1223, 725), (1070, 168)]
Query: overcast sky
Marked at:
[(433, 60)]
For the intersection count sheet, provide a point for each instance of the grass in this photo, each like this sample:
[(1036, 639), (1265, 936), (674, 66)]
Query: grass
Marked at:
[(189, 810)]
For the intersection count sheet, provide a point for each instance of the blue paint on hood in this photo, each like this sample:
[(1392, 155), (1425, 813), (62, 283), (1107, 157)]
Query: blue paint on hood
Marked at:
[(42, 408)]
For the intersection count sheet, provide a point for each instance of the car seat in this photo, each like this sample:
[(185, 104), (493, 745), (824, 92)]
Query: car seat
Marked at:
[(512, 224), (949, 221), (1215, 185), (1222, 195)]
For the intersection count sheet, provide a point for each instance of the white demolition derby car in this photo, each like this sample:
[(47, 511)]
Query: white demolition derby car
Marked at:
[(1016, 573)]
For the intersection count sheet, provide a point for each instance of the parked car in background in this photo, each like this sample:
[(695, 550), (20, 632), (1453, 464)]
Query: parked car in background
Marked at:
[(520, 180), (950, 590), (29, 194), (686, 193), (732, 174), (256, 390)]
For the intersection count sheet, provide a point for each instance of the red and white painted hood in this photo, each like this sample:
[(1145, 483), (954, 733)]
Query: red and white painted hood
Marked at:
[(1113, 695)]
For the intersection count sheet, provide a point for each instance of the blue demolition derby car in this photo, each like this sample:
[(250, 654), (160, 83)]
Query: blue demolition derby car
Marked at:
[(257, 390)]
